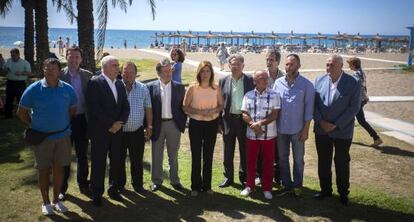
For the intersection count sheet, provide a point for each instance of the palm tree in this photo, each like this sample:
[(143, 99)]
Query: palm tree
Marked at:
[(42, 30), (5, 6), (85, 22)]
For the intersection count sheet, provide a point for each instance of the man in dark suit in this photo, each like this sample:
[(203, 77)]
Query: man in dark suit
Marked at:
[(337, 102), (108, 110), (232, 125), (168, 123), (78, 78)]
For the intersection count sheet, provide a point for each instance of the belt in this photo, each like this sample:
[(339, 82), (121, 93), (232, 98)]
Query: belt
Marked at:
[(165, 120), (236, 115)]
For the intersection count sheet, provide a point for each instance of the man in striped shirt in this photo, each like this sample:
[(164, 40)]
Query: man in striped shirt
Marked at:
[(260, 108)]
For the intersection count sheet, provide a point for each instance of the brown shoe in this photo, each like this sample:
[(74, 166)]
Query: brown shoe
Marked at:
[(377, 142)]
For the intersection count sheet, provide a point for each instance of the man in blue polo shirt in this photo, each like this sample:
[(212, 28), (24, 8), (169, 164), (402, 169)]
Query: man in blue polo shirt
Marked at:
[(47, 105)]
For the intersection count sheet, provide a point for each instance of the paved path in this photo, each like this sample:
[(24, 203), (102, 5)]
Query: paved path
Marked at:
[(396, 128)]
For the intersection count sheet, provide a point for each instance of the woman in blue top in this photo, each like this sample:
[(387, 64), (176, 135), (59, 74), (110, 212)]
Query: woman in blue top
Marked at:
[(178, 57)]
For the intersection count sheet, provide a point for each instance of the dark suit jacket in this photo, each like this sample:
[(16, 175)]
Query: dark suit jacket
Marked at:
[(102, 109), (177, 98), (85, 76), (342, 111), (225, 85)]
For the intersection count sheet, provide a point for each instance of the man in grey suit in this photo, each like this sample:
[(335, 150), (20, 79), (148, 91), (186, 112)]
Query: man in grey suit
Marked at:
[(337, 102), (234, 87), (108, 110), (168, 123), (78, 78)]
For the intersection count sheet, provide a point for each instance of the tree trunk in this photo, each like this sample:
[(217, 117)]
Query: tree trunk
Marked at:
[(28, 32), (86, 34), (42, 30)]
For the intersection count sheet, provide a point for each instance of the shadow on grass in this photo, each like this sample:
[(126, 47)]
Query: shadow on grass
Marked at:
[(11, 140), (392, 150), (151, 206)]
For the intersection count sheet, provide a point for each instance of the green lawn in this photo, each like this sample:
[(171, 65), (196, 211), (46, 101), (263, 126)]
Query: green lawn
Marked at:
[(372, 197)]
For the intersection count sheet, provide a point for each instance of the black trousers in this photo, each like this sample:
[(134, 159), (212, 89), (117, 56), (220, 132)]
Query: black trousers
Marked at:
[(79, 139), (361, 120), (237, 130), (325, 146), (203, 135), (14, 89), (134, 142), (107, 144)]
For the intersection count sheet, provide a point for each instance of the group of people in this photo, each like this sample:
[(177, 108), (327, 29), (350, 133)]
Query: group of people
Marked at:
[(268, 113)]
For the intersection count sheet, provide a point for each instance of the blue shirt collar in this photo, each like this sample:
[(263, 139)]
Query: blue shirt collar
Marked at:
[(44, 83)]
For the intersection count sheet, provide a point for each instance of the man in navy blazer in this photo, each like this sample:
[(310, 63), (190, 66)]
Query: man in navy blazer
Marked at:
[(169, 122), (107, 111), (337, 102), (234, 87)]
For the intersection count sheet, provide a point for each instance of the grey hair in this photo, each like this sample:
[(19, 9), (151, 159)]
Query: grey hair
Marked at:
[(107, 59), (161, 64), (257, 72), (337, 58), (237, 57)]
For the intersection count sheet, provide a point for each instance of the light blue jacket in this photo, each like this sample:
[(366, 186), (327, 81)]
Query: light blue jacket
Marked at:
[(342, 111)]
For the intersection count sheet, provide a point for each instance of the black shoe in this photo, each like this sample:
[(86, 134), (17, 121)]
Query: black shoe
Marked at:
[(97, 201), (226, 183), (178, 186), (344, 200), (154, 187), (85, 190), (321, 195), (121, 189), (139, 189), (115, 196)]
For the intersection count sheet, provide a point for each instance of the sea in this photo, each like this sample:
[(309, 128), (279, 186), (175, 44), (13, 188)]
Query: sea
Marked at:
[(9, 37)]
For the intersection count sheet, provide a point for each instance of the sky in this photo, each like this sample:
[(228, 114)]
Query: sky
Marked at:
[(387, 17)]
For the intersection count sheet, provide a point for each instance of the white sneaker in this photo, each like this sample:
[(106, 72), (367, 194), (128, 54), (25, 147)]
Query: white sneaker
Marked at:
[(268, 195), (61, 197), (47, 209), (246, 191), (59, 207)]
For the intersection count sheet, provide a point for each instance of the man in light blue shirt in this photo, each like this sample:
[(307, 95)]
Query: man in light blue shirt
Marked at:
[(134, 135), (297, 96)]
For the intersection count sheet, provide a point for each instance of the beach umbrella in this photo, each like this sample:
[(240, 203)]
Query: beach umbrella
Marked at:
[(291, 37), (19, 44), (319, 37)]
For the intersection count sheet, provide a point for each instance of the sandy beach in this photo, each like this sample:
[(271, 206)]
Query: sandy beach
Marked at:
[(379, 82)]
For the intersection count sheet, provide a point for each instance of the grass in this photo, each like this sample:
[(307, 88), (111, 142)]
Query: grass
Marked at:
[(21, 198), (379, 192)]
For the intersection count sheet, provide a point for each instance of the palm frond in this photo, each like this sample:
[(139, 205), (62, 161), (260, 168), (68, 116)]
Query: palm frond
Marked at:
[(123, 5), (153, 7), (5, 7), (67, 7), (102, 22)]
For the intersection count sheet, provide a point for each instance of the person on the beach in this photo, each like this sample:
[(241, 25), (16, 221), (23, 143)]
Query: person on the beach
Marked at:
[(355, 65), (222, 54), (260, 108), (169, 120), (203, 102), (297, 96), (60, 45), (234, 87), (337, 101), (67, 44), (48, 105), (178, 57), (17, 70)]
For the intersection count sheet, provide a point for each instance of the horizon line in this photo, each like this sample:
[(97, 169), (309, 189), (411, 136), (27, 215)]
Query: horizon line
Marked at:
[(221, 31)]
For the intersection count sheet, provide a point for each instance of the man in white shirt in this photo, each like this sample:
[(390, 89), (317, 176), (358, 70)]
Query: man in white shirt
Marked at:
[(107, 111), (168, 123)]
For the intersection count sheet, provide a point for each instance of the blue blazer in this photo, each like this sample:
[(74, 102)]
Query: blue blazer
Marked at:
[(102, 109), (177, 98), (345, 105)]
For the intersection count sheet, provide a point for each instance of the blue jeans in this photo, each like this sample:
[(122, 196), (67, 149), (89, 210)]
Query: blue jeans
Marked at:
[(298, 149)]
